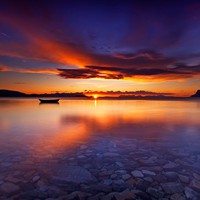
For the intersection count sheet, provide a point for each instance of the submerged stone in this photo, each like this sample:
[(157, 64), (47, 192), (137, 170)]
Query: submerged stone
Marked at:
[(147, 172), (126, 194), (149, 179), (137, 173), (196, 176), (78, 195), (171, 176), (126, 176), (155, 192), (177, 196), (9, 188), (35, 178), (107, 182), (119, 164), (195, 184), (191, 194), (183, 178), (75, 174), (111, 154), (172, 187), (118, 182), (120, 171), (170, 165)]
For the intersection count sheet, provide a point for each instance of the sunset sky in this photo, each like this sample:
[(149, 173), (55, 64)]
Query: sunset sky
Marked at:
[(73, 46)]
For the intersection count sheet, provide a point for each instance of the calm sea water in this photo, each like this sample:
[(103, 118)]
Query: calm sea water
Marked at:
[(26, 122), (49, 150)]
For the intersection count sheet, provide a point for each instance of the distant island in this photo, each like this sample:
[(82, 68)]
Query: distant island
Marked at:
[(12, 93), (197, 94)]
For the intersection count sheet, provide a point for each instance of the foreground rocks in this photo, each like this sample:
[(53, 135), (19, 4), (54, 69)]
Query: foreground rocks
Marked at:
[(104, 169), (73, 174)]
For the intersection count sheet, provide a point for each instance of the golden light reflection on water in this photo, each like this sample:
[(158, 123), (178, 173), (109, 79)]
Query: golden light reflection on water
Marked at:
[(60, 127), (95, 102), (68, 137)]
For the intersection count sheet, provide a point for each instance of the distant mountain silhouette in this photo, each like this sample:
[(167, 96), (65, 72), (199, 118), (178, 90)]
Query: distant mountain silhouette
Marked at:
[(160, 97), (197, 94), (11, 93)]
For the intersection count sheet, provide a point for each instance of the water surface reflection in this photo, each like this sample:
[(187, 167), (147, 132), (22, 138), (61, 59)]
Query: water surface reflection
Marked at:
[(49, 150), (74, 120)]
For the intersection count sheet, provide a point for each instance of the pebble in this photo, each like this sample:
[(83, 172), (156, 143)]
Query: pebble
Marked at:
[(196, 176), (83, 147), (149, 179), (126, 176), (195, 184), (118, 182), (124, 195), (9, 188), (113, 176), (97, 196), (75, 174), (35, 178), (172, 187), (137, 173), (155, 192), (81, 157), (78, 194), (183, 178), (106, 171), (12, 179), (147, 172), (170, 165), (107, 182), (160, 178), (121, 172), (119, 164), (171, 176), (106, 197), (191, 194), (177, 196), (111, 154)]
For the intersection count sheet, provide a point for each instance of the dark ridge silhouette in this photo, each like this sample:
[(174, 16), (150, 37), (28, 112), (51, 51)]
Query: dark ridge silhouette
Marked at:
[(144, 98), (11, 93), (197, 94)]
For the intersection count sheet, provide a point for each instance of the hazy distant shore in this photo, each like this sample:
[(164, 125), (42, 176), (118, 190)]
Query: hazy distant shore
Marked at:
[(17, 94)]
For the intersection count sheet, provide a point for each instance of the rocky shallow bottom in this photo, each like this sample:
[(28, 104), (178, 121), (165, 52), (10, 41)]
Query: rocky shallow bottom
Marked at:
[(104, 168)]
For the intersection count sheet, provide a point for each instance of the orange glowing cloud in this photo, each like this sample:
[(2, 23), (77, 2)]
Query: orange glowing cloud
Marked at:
[(62, 45), (31, 71), (4, 68)]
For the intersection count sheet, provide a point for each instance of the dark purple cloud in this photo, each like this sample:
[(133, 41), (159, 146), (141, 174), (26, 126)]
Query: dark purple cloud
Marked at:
[(87, 74), (146, 54), (179, 72)]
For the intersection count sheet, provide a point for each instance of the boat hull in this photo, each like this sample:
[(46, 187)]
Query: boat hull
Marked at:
[(49, 100)]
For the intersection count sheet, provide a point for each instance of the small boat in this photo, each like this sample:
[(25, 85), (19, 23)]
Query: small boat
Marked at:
[(49, 100)]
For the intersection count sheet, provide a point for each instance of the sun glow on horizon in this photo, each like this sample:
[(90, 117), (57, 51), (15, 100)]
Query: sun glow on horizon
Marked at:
[(95, 96)]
